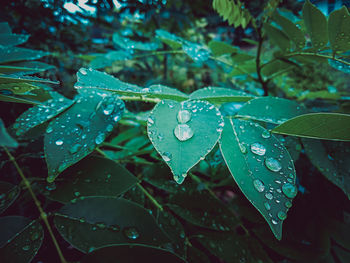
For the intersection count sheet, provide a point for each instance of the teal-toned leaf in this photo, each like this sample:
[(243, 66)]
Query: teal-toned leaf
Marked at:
[(220, 48), (292, 30), (170, 39), (332, 163), (271, 109), (20, 239), (163, 92), (29, 67), (231, 247), (40, 114), (131, 254), (339, 66), (278, 37), (339, 29), (21, 78), (327, 126), (218, 95), (89, 78), (184, 133), (92, 176), (316, 25), (92, 222), (202, 209), (5, 28), (129, 44), (8, 194), (196, 52), (8, 40), (109, 58), (10, 98), (11, 54), (75, 133), (262, 168), (5, 138)]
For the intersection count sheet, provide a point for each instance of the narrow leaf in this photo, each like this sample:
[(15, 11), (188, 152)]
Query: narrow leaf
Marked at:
[(5, 138), (8, 194), (11, 54)]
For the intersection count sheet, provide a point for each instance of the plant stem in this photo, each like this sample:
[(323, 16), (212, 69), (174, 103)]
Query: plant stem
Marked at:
[(43, 215), (153, 200), (140, 98)]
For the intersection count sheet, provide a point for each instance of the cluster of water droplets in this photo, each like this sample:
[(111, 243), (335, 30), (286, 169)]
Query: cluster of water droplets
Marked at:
[(197, 52)]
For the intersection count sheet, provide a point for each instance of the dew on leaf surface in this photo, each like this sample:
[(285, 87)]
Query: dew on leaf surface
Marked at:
[(273, 164), (131, 233), (183, 132), (258, 149), (259, 185)]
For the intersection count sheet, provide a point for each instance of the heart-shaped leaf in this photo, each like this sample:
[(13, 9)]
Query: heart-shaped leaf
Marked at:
[(76, 133), (131, 254), (262, 168), (184, 133), (20, 239), (92, 176), (40, 114), (8, 194), (93, 222)]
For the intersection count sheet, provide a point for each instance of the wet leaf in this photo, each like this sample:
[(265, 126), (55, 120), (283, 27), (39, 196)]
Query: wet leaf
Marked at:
[(328, 126), (339, 29), (163, 92), (29, 67), (75, 133), (220, 48), (108, 59), (92, 176), (5, 138), (11, 54), (316, 25), (271, 109), (40, 114), (8, 194), (339, 66), (8, 40), (168, 38), (129, 44), (20, 238), (196, 52), (92, 222), (262, 168), (219, 95), (131, 254), (22, 78), (184, 133), (202, 209), (278, 37)]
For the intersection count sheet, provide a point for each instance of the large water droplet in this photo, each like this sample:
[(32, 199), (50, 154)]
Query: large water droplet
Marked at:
[(269, 196), (273, 164), (83, 71), (258, 148), (166, 156), (100, 138), (59, 142), (289, 190), (183, 132), (282, 215), (109, 109), (183, 116), (131, 233), (259, 185)]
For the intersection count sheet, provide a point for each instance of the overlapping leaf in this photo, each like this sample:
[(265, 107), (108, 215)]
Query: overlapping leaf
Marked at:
[(219, 95), (339, 29)]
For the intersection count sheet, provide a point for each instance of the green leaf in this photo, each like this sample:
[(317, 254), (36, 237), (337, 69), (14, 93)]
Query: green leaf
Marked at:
[(330, 162), (75, 133), (129, 44), (8, 194), (5, 138), (184, 133), (339, 29), (170, 39), (131, 254), (29, 67), (20, 238), (293, 32), (92, 176), (271, 110), (248, 67), (327, 126), (11, 54), (163, 92), (218, 95), (108, 59), (278, 37), (262, 168), (316, 25), (220, 48), (92, 222), (7, 40), (202, 209), (21, 78), (40, 114), (196, 52), (275, 67)]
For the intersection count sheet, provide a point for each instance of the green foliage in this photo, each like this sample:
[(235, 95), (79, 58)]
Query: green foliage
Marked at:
[(191, 117)]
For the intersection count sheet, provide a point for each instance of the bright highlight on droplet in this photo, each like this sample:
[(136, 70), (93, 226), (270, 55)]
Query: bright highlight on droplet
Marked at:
[(183, 132)]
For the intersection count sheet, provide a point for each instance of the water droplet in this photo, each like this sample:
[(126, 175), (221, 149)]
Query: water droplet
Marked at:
[(282, 215), (183, 116), (289, 190), (109, 128), (266, 134), (243, 148), (49, 129), (83, 71), (109, 109), (269, 196), (274, 221), (100, 138), (26, 247), (131, 233), (150, 121), (272, 164), (183, 132), (76, 193), (259, 185), (75, 148), (34, 236), (59, 142), (267, 206), (288, 204), (258, 148), (166, 156)]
